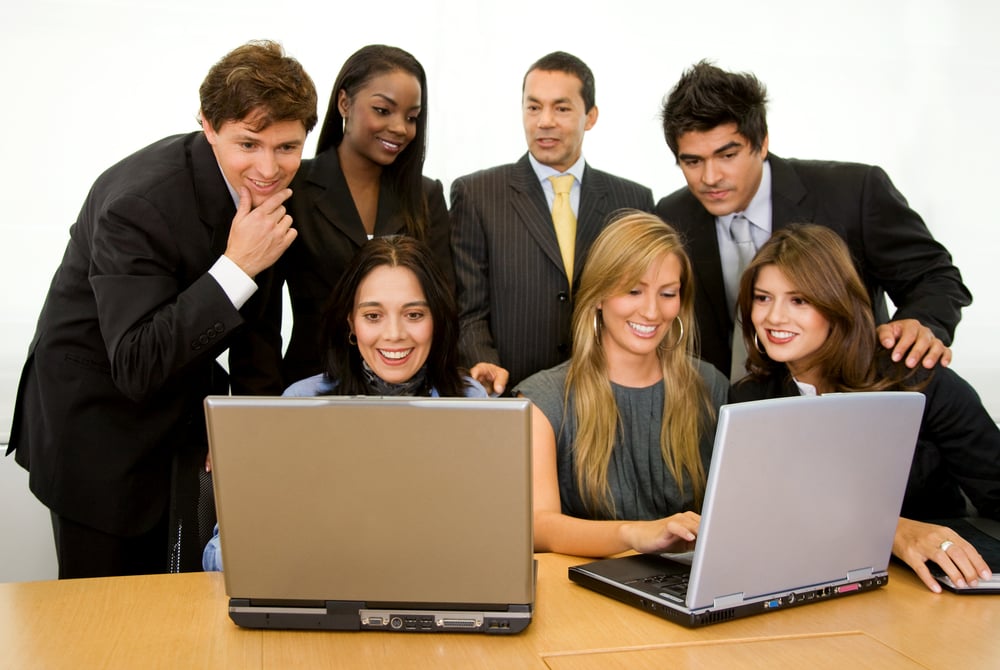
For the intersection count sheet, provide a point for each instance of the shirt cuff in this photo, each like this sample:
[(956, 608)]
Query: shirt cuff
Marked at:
[(237, 285)]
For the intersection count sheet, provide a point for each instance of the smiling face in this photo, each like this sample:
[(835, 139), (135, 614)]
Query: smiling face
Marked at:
[(380, 120), (635, 322), (263, 161), (789, 328), (392, 323), (555, 118), (722, 170)]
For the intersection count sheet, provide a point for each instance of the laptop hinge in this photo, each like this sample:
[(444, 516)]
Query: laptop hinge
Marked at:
[(859, 574), (730, 600)]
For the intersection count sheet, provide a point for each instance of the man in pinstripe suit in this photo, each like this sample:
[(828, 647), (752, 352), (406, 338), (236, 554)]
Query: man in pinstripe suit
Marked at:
[(514, 296)]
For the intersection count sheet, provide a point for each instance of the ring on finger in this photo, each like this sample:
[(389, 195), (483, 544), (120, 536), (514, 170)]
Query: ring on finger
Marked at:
[(946, 545)]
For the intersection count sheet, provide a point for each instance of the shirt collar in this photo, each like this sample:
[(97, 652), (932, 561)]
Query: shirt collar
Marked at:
[(543, 172), (232, 192)]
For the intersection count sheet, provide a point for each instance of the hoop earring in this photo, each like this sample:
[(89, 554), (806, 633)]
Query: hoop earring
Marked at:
[(756, 343), (351, 340), (680, 335), (597, 325)]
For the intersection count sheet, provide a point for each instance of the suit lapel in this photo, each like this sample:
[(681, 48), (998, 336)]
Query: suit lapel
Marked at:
[(593, 215), (214, 201), (387, 218), (528, 201), (703, 246), (333, 198), (789, 202)]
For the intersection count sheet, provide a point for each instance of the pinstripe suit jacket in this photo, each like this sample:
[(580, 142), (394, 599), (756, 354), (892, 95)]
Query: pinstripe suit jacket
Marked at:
[(513, 295)]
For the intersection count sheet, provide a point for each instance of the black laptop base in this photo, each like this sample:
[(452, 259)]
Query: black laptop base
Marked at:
[(581, 575), (347, 616)]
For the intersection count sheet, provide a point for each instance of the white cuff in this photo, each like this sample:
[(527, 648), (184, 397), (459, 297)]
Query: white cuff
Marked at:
[(236, 283)]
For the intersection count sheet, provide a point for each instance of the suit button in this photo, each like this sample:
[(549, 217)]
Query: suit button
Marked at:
[(563, 296), (195, 345), (218, 327), (203, 338)]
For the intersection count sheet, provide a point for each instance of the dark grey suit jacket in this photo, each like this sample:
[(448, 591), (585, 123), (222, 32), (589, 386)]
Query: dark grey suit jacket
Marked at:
[(893, 250), (125, 347), (330, 233), (513, 295)]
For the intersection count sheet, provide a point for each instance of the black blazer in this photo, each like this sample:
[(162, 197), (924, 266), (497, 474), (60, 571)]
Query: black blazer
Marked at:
[(125, 347), (958, 447), (513, 295), (893, 250), (330, 233)]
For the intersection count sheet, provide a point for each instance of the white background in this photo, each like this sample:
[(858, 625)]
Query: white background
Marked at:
[(909, 85)]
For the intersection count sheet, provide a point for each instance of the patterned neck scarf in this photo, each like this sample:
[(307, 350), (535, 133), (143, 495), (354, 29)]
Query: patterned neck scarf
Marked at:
[(414, 386)]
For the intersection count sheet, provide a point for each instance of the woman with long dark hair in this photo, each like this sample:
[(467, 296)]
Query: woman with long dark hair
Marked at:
[(366, 181), (811, 331), (391, 328)]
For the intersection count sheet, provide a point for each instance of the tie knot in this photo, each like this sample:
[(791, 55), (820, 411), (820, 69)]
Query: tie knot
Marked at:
[(562, 183), (739, 229)]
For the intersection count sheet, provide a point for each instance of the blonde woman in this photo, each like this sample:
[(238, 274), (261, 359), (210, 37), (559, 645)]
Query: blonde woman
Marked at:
[(623, 431)]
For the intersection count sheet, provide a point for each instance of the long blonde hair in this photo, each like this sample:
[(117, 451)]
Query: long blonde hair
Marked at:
[(620, 256)]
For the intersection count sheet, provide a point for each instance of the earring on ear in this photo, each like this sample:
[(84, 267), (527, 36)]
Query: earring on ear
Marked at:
[(352, 340), (680, 336), (756, 343), (597, 325)]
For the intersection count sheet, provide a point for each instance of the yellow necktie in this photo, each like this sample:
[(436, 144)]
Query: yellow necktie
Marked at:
[(564, 221)]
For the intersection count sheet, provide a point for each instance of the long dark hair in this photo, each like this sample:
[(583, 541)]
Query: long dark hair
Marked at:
[(343, 360), (405, 174)]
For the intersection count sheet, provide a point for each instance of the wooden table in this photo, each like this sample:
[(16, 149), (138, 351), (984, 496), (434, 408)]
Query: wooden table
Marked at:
[(180, 621)]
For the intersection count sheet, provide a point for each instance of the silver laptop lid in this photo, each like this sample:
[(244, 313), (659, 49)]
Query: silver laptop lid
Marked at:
[(423, 500), (804, 497)]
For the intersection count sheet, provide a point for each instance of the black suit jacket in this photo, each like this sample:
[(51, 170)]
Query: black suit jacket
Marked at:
[(893, 250), (513, 294), (330, 233), (125, 347)]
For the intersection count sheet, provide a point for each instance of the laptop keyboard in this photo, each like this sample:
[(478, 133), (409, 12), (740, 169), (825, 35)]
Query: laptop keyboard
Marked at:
[(670, 586)]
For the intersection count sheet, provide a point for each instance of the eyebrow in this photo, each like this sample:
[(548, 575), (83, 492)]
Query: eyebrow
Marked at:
[(256, 139), (721, 150), (376, 303), (557, 101), (392, 102)]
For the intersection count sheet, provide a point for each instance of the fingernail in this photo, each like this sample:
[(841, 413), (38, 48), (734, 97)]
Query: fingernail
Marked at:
[(961, 583), (986, 574)]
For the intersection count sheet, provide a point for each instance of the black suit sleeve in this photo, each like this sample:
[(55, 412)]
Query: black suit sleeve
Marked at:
[(960, 443), (901, 255), (153, 330)]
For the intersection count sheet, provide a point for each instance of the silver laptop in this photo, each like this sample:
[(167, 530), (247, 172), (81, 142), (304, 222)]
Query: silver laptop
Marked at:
[(394, 514), (801, 506)]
